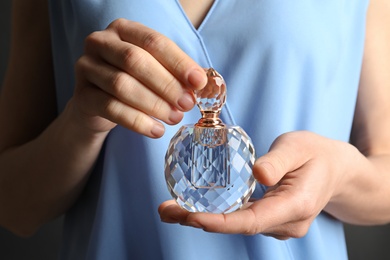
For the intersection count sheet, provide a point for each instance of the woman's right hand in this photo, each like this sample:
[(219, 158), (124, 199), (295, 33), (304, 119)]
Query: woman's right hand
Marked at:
[(133, 76)]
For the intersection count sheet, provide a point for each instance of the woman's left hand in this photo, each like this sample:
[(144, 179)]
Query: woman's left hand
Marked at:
[(305, 172)]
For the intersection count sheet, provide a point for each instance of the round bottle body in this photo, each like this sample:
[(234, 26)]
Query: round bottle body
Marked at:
[(210, 169)]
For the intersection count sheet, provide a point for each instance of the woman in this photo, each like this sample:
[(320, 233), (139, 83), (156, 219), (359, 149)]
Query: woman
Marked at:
[(303, 79)]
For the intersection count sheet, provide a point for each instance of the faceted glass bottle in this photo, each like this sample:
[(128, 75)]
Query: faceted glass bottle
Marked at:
[(208, 165)]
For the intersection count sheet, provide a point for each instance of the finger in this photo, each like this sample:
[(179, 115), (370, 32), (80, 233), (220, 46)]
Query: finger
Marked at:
[(96, 102), (286, 154), (171, 212), (164, 50), (259, 217), (142, 66), (128, 90)]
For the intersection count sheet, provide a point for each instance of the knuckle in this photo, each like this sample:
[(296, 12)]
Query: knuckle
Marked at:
[(133, 59), (92, 40), (296, 138), (83, 65), (154, 42), (167, 88), (181, 63), (249, 230), (110, 107), (255, 227), (138, 123), (118, 23), (118, 82), (157, 107), (287, 139)]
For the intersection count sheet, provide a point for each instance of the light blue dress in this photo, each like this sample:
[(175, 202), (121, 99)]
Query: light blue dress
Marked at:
[(289, 65)]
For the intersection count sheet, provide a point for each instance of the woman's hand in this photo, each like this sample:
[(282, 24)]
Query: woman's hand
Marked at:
[(134, 76), (304, 172), (308, 173)]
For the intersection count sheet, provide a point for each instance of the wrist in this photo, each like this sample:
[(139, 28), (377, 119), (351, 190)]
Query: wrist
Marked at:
[(357, 183)]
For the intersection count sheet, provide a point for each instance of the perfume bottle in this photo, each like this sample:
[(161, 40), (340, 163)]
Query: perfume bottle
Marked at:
[(208, 165)]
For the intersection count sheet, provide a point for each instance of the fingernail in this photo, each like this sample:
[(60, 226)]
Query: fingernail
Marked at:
[(186, 102), (175, 116), (157, 130), (197, 78)]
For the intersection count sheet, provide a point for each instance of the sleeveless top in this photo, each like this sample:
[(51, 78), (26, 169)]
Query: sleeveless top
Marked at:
[(289, 65)]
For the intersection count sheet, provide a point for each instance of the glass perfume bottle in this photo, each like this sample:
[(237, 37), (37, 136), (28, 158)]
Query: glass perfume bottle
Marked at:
[(208, 165)]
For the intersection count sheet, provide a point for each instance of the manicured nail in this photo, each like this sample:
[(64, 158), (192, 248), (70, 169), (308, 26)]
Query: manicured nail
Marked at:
[(157, 130), (197, 79), (186, 102)]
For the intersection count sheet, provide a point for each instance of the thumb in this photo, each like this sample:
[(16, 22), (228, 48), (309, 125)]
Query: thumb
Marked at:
[(287, 154)]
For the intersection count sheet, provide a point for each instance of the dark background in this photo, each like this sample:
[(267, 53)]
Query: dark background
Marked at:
[(363, 242)]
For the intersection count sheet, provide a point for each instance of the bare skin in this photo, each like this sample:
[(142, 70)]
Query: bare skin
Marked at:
[(46, 159), (196, 11), (309, 173)]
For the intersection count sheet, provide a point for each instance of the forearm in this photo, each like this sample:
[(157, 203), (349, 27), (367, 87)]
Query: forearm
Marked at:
[(42, 178), (364, 192)]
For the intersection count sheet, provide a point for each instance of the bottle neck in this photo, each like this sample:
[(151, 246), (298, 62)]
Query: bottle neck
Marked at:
[(210, 119)]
